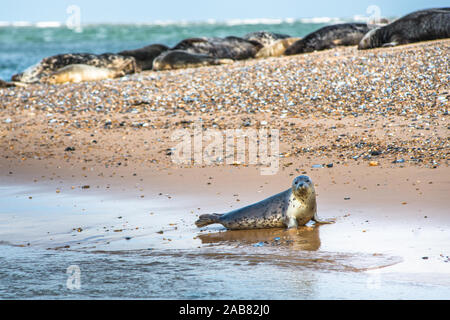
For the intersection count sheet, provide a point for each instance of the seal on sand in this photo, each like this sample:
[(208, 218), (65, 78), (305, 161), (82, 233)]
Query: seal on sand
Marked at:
[(145, 56), (430, 24), (291, 208), (82, 72), (51, 64), (344, 34), (179, 59), (276, 49), (266, 38), (5, 84), (223, 48)]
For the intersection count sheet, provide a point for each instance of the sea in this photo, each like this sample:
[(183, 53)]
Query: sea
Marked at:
[(23, 44)]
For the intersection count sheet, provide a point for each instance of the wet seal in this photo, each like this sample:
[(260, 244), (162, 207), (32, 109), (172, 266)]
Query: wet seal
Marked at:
[(291, 208)]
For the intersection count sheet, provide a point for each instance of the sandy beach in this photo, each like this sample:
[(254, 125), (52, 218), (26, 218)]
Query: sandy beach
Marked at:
[(89, 168)]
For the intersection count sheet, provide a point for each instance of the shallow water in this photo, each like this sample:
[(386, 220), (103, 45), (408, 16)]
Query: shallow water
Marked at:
[(121, 253)]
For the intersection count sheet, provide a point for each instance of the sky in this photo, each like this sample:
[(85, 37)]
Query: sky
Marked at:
[(139, 11)]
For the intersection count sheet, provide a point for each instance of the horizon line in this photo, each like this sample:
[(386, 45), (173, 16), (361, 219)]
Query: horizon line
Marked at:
[(228, 22)]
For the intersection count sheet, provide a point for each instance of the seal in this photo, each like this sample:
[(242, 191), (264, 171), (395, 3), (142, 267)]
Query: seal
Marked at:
[(144, 56), (6, 84), (49, 65), (222, 48), (265, 38), (343, 34), (423, 25), (291, 208), (179, 59), (276, 49), (82, 72)]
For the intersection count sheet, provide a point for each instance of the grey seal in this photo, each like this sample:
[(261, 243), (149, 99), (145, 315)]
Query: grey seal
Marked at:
[(266, 38), (222, 48), (49, 65), (423, 25), (276, 49), (291, 208), (343, 34), (179, 59), (144, 56), (82, 72)]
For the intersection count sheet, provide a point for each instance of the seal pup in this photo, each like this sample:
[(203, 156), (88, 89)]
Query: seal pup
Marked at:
[(82, 72), (179, 59), (223, 48), (144, 56), (343, 34), (429, 24), (276, 49), (291, 208), (265, 38), (51, 64)]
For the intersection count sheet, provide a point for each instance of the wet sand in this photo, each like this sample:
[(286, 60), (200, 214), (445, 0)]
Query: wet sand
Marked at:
[(116, 190)]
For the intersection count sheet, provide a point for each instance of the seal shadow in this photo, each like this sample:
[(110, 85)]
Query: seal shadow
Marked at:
[(301, 238)]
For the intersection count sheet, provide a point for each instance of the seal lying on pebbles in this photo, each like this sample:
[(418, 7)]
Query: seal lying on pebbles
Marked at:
[(265, 38), (5, 84), (276, 49), (51, 64), (179, 59), (344, 34), (223, 48), (82, 72), (145, 56), (430, 24), (291, 208)]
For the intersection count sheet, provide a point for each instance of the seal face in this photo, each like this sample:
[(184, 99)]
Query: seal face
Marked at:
[(49, 65), (344, 34), (179, 59), (422, 25), (291, 208)]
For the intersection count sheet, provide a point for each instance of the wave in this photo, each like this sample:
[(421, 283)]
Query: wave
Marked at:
[(229, 22)]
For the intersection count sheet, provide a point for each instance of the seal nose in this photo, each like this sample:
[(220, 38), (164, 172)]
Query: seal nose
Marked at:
[(301, 185)]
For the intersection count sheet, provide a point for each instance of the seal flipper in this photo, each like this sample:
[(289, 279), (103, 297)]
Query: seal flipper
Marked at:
[(206, 219), (292, 223), (319, 221)]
